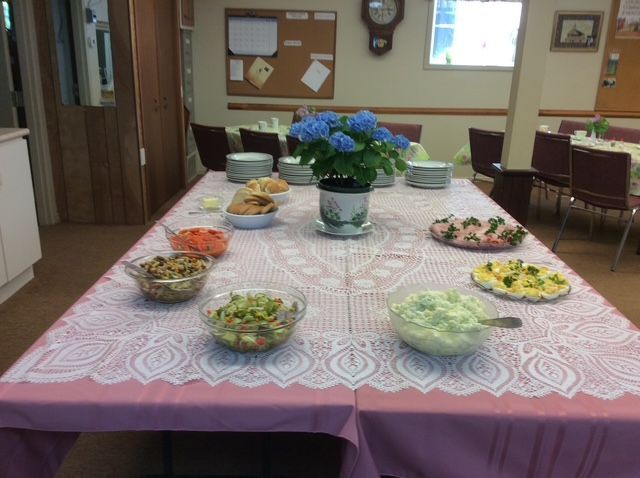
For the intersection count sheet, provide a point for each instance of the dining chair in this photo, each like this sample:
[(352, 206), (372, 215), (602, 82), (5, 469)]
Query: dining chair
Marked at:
[(628, 135), (212, 144), (292, 144), (411, 131), (569, 126), (600, 179), (551, 158), (262, 142), (486, 149)]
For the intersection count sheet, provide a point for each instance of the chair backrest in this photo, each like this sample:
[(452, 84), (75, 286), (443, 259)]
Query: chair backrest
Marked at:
[(600, 177), (486, 149), (411, 131), (630, 135), (262, 142), (551, 157), (292, 144), (212, 144), (569, 126)]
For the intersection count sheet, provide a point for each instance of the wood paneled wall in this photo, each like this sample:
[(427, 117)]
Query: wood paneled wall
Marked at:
[(94, 150)]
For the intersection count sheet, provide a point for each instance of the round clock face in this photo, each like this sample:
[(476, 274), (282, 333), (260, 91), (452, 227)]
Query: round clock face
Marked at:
[(383, 12)]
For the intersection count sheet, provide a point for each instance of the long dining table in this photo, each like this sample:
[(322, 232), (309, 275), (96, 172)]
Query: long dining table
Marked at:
[(559, 397)]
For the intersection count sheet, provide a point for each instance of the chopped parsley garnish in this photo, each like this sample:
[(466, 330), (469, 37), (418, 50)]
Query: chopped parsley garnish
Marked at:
[(444, 220), (508, 281), (494, 223), (556, 279), (451, 232), (533, 270), (470, 221), (472, 237), (513, 236), (489, 266)]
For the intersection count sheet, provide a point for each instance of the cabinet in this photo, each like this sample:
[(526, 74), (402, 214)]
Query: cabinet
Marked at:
[(19, 237), (158, 54)]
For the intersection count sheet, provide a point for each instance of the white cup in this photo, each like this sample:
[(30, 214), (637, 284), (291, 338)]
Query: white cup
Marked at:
[(544, 128), (262, 125), (275, 123), (580, 133)]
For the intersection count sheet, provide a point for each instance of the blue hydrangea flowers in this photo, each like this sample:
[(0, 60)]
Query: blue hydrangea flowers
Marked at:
[(348, 150), (341, 142)]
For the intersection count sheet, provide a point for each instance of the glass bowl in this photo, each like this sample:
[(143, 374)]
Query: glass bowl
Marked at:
[(458, 339), (175, 290), (250, 335), (202, 234)]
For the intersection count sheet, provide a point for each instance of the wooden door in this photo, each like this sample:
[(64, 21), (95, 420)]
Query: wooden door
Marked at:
[(94, 149), (150, 101), (170, 105), (158, 62)]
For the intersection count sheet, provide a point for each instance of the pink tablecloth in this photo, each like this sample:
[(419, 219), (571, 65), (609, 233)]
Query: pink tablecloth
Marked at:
[(559, 397)]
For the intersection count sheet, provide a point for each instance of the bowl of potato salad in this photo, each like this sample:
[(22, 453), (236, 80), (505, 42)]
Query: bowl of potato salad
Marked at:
[(439, 319)]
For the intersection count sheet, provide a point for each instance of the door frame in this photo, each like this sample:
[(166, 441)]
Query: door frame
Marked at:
[(42, 173)]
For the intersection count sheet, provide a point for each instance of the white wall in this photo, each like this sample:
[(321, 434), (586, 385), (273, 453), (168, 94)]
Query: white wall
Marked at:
[(396, 78)]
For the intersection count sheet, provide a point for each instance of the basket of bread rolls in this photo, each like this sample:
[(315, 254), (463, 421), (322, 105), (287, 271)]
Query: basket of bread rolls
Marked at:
[(251, 209), (277, 188)]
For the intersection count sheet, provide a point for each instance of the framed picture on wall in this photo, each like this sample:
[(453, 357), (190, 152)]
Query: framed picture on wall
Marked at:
[(576, 31)]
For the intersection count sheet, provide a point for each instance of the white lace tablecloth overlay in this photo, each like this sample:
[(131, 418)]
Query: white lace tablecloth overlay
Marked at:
[(578, 343)]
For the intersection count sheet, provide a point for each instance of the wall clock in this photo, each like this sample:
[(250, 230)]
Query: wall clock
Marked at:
[(382, 17)]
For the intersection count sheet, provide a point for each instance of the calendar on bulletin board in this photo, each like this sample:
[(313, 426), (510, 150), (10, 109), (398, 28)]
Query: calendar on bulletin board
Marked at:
[(280, 53)]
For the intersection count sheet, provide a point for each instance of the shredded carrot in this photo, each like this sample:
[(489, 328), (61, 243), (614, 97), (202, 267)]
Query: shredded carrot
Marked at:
[(201, 239)]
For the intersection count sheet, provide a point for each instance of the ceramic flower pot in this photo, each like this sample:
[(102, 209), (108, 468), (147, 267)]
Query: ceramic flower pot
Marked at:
[(344, 210)]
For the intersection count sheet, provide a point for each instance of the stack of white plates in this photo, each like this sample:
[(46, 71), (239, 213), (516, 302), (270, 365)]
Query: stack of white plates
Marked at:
[(244, 166), (383, 179), (293, 172), (429, 174)]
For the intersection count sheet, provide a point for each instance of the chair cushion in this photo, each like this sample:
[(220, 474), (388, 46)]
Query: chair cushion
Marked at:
[(634, 201)]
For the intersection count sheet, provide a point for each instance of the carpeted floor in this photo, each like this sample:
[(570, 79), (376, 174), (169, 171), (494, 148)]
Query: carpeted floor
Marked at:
[(75, 256)]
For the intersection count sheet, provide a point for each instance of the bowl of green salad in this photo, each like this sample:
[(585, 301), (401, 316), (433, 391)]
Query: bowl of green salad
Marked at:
[(439, 319), (253, 317)]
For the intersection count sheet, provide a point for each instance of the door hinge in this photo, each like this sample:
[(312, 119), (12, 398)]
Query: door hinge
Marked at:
[(17, 100)]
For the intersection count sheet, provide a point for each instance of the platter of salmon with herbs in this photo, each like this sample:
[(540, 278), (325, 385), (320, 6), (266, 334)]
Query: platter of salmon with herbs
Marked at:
[(474, 233)]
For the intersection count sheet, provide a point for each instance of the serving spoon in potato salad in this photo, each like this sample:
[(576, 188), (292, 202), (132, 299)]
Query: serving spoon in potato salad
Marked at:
[(505, 322)]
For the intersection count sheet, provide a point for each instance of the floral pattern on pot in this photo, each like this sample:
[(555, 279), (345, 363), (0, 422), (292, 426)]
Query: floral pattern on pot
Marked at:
[(344, 212)]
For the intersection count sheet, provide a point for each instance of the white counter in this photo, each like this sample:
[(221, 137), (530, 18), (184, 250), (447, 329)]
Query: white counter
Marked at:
[(19, 237), (7, 134)]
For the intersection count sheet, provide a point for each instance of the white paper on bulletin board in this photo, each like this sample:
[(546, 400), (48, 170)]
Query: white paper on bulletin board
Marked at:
[(256, 36), (315, 75)]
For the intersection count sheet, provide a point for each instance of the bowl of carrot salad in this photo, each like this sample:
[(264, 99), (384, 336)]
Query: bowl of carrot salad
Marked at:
[(208, 238)]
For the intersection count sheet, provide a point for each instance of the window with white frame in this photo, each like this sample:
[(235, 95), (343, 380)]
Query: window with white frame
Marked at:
[(473, 33)]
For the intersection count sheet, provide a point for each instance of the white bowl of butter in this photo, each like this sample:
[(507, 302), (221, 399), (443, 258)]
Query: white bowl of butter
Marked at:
[(210, 203)]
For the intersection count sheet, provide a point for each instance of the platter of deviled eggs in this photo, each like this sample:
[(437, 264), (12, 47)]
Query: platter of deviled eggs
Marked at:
[(520, 280)]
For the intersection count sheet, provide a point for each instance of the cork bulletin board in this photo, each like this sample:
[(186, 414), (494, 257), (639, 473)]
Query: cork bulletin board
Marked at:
[(280, 53), (620, 74)]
